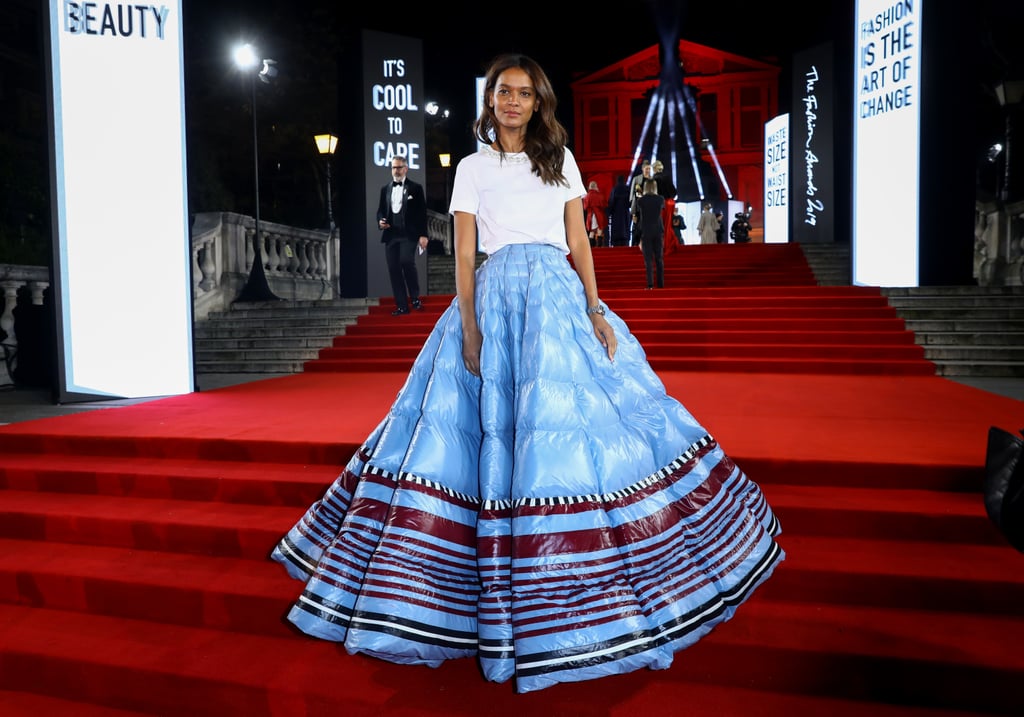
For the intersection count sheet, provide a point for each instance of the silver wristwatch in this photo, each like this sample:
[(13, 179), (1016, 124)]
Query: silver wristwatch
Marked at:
[(598, 309)]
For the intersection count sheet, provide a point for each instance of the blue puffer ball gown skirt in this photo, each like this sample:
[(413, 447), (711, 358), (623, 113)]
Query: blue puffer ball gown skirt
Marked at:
[(560, 518)]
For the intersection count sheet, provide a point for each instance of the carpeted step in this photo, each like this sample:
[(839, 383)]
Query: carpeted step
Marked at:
[(867, 474), (280, 484), (662, 349), (898, 573), (816, 365), (26, 704), (754, 364), (253, 595), (227, 529), (216, 592), (805, 329), (643, 321), (854, 653), (156, 446), (683, 337), (912, 657), (884, 513), (680, 334), (653, 693)]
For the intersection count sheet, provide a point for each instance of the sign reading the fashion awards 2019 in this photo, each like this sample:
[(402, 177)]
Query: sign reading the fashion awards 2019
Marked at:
[(120, 219), (812, 209), (887, 101), (393, 117), (776, 180)]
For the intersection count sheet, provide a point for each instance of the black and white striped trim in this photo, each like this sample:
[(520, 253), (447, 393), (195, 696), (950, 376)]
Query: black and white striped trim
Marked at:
[(642, 484)]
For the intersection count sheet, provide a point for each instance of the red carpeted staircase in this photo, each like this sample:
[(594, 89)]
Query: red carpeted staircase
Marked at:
[(134, 576), (750, 308)]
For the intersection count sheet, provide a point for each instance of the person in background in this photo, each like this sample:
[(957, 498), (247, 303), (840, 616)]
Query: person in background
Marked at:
[(707, 226), (649, 209), (402, 218), (618, 213), (678, 227), (740, 230), (667, 191), (534, 498), (720, 231), (595, 218), (636, 191)]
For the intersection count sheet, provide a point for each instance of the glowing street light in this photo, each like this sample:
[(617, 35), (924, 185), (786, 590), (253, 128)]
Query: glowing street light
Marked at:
[(325, 145)]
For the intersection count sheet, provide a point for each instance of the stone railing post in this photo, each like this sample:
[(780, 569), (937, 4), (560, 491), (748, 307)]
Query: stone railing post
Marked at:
[(12, 279)]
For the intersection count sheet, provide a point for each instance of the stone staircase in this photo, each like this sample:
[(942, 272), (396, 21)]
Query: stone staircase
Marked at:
[(966, 330), (272, 337), (830, 263)]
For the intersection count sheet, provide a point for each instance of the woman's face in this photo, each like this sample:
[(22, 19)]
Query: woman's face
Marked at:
[(514, 99)]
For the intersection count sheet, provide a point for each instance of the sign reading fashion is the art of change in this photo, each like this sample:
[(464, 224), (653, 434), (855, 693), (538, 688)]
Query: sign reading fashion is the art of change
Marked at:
[(887, 142), (120, 216)]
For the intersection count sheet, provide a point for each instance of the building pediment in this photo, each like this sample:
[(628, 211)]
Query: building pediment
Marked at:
[(696, 59)]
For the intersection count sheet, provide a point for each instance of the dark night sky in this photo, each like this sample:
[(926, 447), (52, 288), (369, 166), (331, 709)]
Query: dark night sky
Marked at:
[(459, 39)]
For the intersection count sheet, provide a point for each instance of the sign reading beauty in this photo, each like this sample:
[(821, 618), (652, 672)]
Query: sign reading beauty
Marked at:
[(120, 215)]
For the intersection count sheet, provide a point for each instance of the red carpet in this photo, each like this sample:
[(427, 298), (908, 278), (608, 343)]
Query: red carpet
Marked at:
[(749, 308), (134, 576)]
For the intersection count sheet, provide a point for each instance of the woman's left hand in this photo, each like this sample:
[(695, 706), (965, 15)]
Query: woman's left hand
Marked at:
[(605, 334)]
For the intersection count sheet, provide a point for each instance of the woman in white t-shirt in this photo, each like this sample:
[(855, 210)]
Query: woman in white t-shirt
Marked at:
[(533, 498)]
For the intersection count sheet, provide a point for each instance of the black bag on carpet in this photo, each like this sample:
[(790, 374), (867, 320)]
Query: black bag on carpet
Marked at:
[(1004, 484)]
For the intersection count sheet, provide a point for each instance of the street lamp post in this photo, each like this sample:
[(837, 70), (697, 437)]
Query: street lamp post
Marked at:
[(256, 287), (326, 144)]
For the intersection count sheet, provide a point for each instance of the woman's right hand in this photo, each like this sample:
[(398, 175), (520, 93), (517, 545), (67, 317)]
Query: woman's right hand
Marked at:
[(472, 340)]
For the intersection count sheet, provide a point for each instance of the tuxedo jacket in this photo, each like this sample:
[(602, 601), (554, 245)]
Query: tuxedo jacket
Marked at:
[(411, 221)]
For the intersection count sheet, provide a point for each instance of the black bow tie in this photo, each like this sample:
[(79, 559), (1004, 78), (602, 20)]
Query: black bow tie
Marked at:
[(396, 184)]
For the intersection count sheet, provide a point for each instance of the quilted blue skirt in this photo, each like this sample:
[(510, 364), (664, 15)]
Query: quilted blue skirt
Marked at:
[(560, 517)]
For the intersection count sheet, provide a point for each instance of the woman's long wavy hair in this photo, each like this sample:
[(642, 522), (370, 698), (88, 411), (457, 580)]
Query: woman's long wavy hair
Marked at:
[(545, 136)]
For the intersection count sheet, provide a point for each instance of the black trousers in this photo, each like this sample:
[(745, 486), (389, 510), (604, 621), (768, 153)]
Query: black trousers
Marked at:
[(654, 260), (405, 281)]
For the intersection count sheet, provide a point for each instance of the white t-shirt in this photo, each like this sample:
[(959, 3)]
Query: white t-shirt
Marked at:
[(511, 203)]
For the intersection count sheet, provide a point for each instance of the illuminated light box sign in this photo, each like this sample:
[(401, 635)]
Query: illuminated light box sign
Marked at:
[(393, 108), (886, 163), (812, 205), (122, 282), (776, 180)]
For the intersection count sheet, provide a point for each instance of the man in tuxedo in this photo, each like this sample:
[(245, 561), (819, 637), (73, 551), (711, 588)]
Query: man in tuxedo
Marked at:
[(402, 215)]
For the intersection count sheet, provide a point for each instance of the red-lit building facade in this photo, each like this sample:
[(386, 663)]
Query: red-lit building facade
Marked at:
[(734, 97)]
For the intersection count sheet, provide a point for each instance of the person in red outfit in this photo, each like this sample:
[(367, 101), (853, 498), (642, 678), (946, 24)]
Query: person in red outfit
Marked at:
[(595, 214), (667, 190)]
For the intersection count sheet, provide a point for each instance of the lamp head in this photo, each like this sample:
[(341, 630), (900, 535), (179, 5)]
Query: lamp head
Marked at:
[(269, 70), (326, 143), (245, 57)]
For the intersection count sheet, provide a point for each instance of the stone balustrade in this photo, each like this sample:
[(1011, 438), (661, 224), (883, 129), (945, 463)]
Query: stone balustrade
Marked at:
[(999, 244), (15, 279), (300, 264)]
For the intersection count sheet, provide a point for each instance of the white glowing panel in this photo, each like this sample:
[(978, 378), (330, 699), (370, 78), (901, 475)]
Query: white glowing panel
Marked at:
[(121, 257), (776, 180), (887, 101)]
